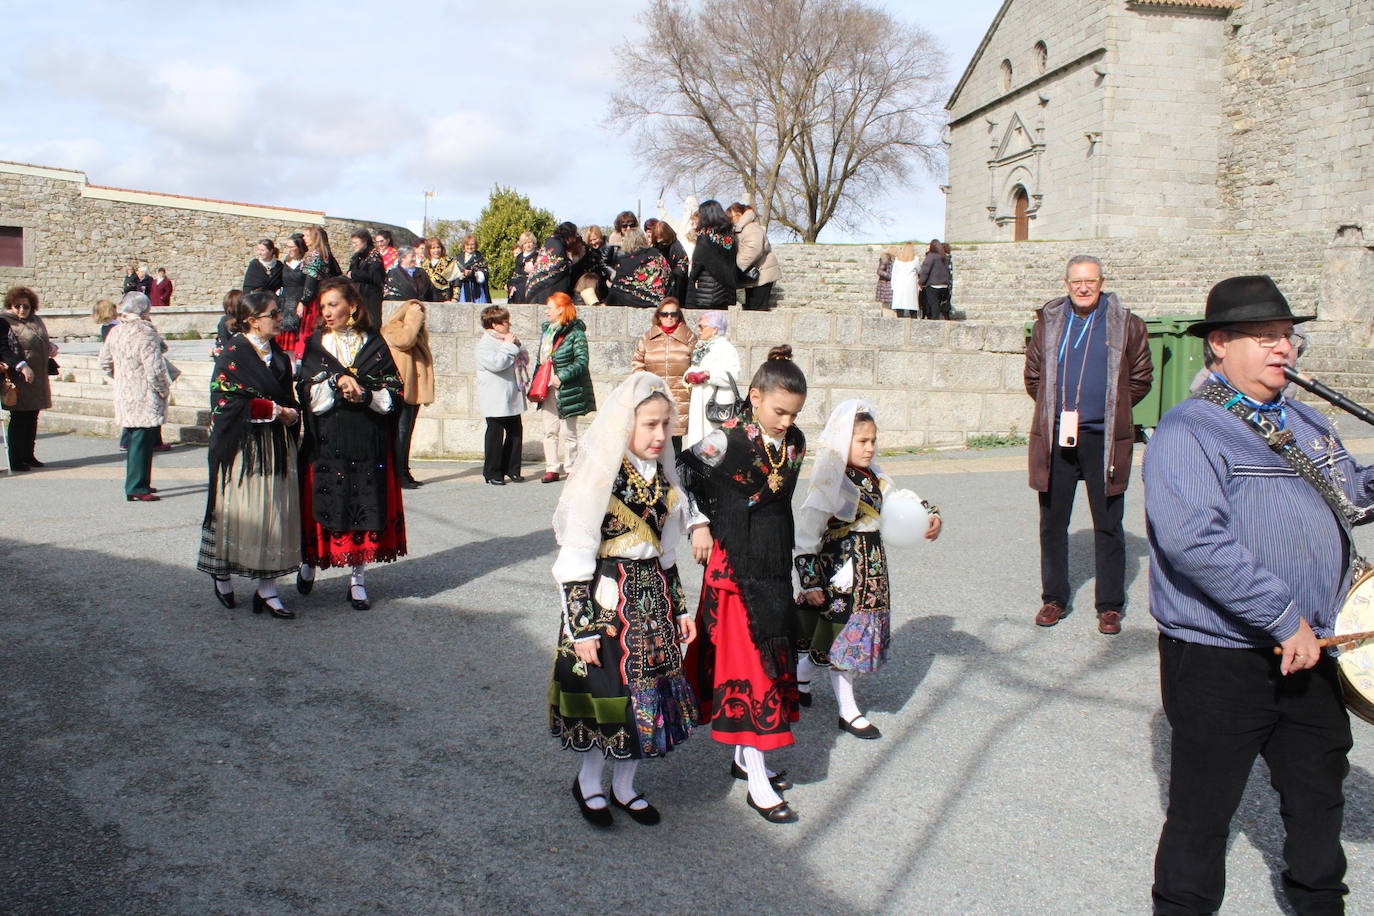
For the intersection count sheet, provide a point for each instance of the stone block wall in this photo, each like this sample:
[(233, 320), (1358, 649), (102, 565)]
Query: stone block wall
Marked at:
[(933, 383), (79, 239), (1297, 148)]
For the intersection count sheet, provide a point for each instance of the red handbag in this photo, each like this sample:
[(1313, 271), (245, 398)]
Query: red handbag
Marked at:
[(543, 373)]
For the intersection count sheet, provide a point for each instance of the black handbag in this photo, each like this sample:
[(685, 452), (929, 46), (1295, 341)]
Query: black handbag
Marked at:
[(290, 322), (718, 412)]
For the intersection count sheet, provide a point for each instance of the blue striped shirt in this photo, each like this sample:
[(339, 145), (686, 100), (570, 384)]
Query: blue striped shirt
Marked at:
[(1241, 547)]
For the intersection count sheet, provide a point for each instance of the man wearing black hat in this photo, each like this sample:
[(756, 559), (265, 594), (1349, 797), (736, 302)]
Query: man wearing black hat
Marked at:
[(1247, 554), (1087, 364)]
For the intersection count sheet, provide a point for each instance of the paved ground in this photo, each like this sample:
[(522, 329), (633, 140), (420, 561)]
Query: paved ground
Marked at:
[(164, 755)]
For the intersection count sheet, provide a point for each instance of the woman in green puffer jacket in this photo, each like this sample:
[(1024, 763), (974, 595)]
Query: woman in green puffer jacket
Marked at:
[(563, 338)]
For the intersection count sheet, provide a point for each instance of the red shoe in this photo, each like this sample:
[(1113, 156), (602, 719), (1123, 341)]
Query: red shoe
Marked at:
[(549, 477), (142, 498)]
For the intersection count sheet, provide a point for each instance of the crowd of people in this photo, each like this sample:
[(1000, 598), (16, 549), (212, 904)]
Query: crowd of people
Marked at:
[(911, 289), (315, 400)]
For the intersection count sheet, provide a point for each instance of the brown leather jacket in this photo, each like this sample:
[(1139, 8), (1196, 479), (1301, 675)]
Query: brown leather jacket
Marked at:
[(1128, 368), (669, 357)]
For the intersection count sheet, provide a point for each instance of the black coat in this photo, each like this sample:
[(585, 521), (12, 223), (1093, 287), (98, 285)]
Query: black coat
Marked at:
[(714, 276), (265, 279), (401, 285), (366, 271), (292, 286), (516, 285)]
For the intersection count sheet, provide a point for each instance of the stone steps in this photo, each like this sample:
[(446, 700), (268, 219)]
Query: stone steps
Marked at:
[(56, 420), (86, 405)]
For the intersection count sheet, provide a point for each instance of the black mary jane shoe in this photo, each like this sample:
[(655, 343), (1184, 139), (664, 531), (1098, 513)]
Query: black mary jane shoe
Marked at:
[(803, 696), (648, 815), (260, 604), (781, 813), (224, 598), (410, 483), (496, 481), (597, 817), (359, 604), (778, 780), (869, 731), (304, 585)]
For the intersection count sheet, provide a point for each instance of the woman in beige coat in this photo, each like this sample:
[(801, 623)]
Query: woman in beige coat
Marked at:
[(754, 254), (132, 356), (29, 374), (666, 351), (405, 334)]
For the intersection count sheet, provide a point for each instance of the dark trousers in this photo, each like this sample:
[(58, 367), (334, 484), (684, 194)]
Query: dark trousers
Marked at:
[(930, 302), (946, 303), (21, 436), (405, 429), (756, 297), (1224, 707), (501, 447), (138, 460), (1067, 467)]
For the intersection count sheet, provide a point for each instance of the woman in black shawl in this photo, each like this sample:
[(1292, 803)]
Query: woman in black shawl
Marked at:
[(471, 285), (639, 276), (351, 508), (367, 273), (553, 264), (252, 512), (679, 265), (264, 271), (714, 275)]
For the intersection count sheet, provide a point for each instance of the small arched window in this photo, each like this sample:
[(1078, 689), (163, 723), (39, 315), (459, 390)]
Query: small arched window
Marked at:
[(1006, 75), (1042, 56)]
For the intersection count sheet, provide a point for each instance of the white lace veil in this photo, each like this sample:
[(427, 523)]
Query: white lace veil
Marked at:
[(587, 492), (831, 491)]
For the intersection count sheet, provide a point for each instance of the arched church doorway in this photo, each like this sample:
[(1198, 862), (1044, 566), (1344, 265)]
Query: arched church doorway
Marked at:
[(1021, 209)]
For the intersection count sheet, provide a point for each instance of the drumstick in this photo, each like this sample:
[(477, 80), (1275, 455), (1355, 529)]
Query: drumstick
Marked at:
[(1342, 640)]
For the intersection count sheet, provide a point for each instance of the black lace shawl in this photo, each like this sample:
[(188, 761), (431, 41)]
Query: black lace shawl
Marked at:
[(347, 449), (240, 377)]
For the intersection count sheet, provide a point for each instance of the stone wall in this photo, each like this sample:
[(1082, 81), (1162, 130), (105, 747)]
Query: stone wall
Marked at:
[(933, 383), (1298, 101), (79, 238)]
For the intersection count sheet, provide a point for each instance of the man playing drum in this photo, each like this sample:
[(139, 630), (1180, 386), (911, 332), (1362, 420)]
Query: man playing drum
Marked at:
[(1247, 554)]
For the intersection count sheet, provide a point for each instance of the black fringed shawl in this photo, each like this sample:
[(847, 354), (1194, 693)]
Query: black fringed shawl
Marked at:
[(239, 378), (715, 253), (753, 523), (348, 447), (552, 272)]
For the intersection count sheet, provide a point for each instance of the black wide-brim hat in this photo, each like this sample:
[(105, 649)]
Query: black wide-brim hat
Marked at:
[(1240, 299)]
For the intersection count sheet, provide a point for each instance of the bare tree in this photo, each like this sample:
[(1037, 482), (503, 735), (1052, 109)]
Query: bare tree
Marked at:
[(810, 105)]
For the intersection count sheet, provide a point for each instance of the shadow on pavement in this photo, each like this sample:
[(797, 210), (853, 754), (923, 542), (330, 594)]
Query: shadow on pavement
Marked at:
[(166, 755)]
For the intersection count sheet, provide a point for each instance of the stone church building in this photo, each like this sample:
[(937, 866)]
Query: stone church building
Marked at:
[(1162, 119)]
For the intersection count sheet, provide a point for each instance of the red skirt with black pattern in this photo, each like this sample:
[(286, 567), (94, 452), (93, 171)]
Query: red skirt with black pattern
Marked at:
[(324, 548), (744, 704)]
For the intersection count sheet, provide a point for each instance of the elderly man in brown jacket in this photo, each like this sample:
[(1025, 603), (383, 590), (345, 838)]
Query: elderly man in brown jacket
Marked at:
[(1087, 364)]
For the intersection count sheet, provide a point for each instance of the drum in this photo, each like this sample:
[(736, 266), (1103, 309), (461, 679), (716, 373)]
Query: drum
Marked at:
[(1356, 664)]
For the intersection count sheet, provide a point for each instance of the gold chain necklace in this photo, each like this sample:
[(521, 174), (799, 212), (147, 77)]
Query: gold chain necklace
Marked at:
[(350, 342), (774, 467)]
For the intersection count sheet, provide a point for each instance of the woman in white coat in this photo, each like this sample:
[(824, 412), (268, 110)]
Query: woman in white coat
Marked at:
[(715, 362), (502, 371), (132, 356), (904, 286)]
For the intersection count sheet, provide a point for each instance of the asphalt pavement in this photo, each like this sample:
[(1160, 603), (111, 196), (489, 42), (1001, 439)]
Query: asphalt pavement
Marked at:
[(164, 755)]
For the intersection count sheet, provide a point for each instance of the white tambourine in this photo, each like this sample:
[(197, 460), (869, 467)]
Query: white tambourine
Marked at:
[(905, 520)]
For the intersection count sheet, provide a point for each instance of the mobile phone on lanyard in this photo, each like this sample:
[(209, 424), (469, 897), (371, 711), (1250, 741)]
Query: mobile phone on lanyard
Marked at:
[(1068, 429)]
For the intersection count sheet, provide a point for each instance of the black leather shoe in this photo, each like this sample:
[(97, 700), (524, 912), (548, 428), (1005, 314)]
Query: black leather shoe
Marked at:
[(224, 598), (869, 731), (20, 466), (260, 604), (803, 696), (496, 481), (304, 585), (359, 604), (38, 464), (410, 483), (780, 813), (597, 817), (516, 478), (778, 780), (648, 815)]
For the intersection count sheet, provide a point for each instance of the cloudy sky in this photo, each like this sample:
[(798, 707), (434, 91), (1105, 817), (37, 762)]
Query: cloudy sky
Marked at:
[(357, 112)]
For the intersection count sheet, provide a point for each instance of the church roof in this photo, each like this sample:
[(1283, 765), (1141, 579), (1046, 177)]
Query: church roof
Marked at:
[(1201, 4), (973, 61)]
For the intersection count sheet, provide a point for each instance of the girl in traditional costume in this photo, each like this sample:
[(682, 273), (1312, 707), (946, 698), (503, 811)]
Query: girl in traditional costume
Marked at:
[(741, 479), (844, 608), (618, 690), (350, 490), (252, 524)]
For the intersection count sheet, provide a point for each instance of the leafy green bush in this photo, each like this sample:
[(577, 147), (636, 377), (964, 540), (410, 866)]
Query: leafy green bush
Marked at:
[(995, 440), (507, 214)]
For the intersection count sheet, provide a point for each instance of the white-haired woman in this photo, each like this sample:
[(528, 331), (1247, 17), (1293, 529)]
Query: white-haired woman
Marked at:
[(713, 375), (132, 356)]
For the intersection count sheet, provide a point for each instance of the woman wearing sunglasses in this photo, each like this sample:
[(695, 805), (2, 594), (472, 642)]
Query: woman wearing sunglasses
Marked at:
[(252, 523), (666, 351)]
